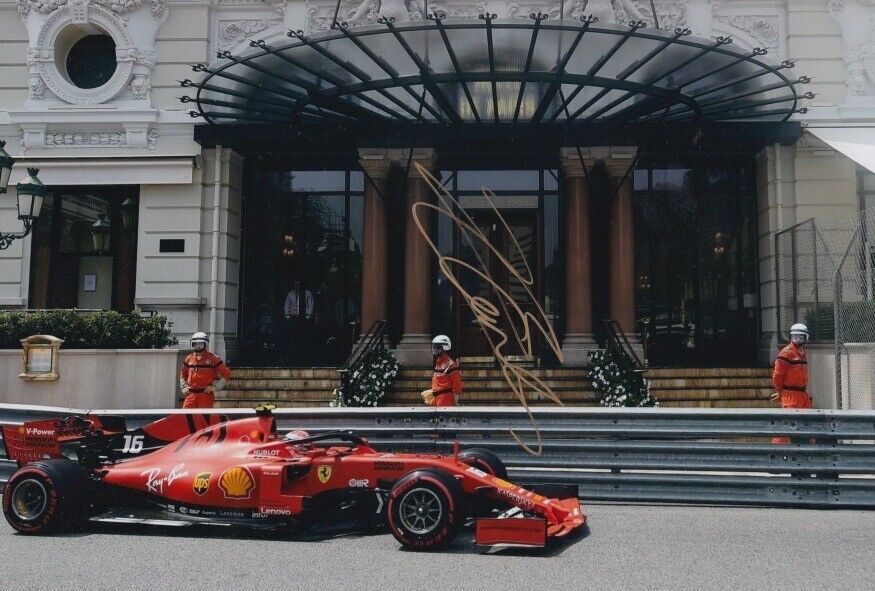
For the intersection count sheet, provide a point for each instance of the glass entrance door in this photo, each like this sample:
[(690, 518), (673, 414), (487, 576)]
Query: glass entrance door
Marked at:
[(511, 263)]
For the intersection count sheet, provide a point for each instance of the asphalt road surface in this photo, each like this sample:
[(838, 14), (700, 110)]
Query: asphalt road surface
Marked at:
[(626, 547)]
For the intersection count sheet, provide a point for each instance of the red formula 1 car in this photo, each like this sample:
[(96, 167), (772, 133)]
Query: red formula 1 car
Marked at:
[(196, 468)]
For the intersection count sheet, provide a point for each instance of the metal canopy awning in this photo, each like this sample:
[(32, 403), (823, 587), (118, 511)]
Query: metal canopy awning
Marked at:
[(493, 71)]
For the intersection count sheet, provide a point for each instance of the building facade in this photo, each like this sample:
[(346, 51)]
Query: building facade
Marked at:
[(287, 235)]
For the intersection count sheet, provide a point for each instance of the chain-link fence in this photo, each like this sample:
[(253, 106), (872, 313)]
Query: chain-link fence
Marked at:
[(825, 278)]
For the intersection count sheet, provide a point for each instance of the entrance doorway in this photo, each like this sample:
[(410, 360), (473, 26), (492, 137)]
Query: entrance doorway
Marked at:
[(528, 201), (516, 255)]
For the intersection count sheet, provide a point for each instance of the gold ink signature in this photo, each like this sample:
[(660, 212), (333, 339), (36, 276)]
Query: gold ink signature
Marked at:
[(489, 316)]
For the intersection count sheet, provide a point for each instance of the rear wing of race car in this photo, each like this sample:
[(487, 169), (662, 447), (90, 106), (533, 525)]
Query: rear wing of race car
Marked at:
[(100, 438), (32, 441)]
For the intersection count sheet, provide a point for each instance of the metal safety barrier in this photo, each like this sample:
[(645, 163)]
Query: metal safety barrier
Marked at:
[(713, 456)]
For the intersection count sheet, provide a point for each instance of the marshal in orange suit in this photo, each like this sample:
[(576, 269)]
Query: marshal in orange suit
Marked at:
[(202, 374), (790, 376)]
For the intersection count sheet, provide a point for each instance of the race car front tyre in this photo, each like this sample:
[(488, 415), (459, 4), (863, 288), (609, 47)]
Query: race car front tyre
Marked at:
[(46, 497), (425, 509), (485, 460)]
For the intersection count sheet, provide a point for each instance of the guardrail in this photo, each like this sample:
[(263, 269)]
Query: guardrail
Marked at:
[(712, 456)]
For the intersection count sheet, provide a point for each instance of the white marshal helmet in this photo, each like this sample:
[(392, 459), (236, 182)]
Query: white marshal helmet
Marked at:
[(199, 337), (799, 329), (442, 341)]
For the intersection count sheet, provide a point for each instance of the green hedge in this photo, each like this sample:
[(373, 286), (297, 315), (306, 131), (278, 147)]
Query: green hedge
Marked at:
[(859, 322), (87, 330)]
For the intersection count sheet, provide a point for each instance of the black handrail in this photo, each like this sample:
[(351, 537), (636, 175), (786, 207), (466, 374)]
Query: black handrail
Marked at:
[(369, 345), (619, 342)]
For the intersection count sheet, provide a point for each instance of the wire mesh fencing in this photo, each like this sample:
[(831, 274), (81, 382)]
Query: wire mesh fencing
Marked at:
[(825, 278)]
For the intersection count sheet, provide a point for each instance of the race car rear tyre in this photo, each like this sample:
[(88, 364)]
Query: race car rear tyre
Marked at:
[(425, 509), (485, 460), (46, 497)]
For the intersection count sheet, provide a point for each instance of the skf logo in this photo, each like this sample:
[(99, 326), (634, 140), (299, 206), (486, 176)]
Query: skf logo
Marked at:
[(237, 483), (201, 483), (324, 473)]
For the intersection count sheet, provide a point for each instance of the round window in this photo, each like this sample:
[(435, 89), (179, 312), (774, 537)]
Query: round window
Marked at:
[(91, 61)]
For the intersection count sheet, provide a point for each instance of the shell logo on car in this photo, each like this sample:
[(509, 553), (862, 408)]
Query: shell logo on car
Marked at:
[(237, 483)]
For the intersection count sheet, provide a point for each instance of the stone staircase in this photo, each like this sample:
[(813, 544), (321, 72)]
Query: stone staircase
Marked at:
[(485, 385)]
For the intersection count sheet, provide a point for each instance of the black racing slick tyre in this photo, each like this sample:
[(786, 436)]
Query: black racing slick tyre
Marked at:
[(425, 509), (485, 460), (46, 497)]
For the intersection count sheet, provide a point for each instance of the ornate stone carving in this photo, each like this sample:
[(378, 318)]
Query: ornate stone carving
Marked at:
[(321, 13), (135, 58), (152, 138), (143, 57), (158, 7), (36, 87), (856, 18), (450, 8), (140, 86), (232, 32), (41, 6), (672, 13), (55, 138), (524, 9), (762, 28)]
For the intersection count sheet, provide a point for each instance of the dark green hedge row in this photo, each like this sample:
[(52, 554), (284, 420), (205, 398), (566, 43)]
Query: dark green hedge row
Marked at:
[(87, 330)]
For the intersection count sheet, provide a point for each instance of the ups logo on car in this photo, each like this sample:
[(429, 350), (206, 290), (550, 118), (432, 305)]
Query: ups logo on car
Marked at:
[(201, 483)]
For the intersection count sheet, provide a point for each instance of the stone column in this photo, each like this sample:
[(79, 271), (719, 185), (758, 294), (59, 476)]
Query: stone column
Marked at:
[(375, 260), (415, 345), (578, 340), (622, 243)]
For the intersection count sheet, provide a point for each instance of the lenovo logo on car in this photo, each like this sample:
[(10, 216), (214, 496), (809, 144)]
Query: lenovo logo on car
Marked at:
[(275, 511)]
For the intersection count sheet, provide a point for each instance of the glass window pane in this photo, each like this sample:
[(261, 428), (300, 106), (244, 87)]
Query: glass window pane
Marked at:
[(551, 180), (640, 180), (498, 180), (79, 213), (316, 180), (869, 182)]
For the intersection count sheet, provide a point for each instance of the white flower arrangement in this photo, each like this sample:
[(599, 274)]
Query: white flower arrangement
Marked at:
[(368, 384), (617, 387)]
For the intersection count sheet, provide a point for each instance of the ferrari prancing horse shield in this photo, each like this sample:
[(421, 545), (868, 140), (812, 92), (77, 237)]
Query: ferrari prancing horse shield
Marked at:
[(324, 473)]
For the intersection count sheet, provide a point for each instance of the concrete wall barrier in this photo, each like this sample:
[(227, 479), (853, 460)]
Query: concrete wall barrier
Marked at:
[(858, 375), (97, 378)]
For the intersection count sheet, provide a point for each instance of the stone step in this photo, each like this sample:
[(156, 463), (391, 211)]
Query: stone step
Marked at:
[(743, 403), (688, 383), (270, 395), (283, 383), (721, 394), (501, 396), (284, 372), (418, 373), (708, 372)]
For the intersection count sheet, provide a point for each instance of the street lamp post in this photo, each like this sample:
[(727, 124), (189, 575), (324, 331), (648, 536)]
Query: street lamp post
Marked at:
[(30, 192)]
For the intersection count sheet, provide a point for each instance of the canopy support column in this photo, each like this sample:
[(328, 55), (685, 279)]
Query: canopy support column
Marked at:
[(415, 345), (578, 341), (375, 258), (622, 243)]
